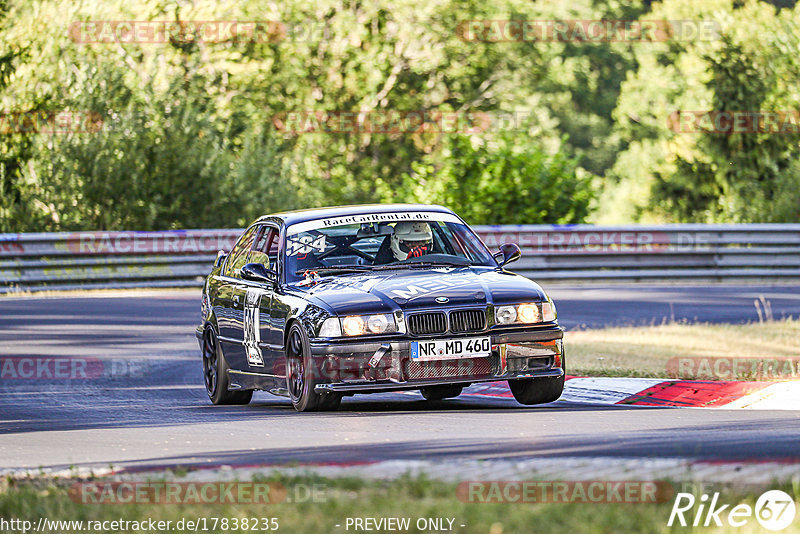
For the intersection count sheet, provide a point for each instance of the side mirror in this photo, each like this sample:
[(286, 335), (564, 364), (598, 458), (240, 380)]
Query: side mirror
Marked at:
[(508, 252), (258, 272), (221, 255)]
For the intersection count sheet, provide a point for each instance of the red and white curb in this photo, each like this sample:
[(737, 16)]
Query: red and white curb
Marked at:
[(662, 392)]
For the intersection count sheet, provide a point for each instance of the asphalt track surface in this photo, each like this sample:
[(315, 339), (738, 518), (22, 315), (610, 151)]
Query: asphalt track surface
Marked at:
[(148, 408)]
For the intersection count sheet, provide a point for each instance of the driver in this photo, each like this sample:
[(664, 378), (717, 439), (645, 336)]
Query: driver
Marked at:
[(411, 239)]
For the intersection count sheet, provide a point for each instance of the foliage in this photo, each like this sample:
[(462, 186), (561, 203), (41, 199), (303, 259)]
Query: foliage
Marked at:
[(740, 176), (507, 183), (192, 129)]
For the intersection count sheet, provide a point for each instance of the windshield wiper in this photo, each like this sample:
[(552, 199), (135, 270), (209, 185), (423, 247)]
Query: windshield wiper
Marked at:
[(342, 269), (384, 267), (422, 265)]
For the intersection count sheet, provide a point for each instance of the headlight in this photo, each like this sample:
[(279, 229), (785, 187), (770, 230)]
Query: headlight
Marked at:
[(527, 313), (353, 325), (331, 328), (379, 323), (505, 314)]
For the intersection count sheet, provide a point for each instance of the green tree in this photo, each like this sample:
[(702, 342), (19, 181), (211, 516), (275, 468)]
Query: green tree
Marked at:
[(751, 66), (506, 182), (15, 144)]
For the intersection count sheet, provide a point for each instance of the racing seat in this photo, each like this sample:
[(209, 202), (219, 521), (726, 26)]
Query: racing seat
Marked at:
[(384, 254)]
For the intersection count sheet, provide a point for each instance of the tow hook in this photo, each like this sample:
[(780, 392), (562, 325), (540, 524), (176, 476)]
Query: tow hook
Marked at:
[(379, 354)]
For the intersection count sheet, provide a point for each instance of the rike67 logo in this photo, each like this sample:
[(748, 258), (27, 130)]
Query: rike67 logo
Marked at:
[(774, 510)]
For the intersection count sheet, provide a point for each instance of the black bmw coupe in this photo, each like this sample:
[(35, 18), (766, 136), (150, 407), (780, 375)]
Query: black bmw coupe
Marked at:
[(318, 304)]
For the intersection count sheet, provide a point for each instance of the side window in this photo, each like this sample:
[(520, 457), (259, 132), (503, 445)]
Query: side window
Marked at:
[(238, 255), (444, 235), (273, 250), (266, 248), (471, 246)]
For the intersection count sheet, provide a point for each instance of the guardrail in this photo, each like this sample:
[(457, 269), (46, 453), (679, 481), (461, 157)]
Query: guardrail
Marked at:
[(638, 253), (98, 260), (56, 261)]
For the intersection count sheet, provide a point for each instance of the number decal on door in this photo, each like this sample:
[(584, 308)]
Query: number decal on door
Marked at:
[(252, 328)]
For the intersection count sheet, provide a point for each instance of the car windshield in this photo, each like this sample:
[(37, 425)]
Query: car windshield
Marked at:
[(381, 241)]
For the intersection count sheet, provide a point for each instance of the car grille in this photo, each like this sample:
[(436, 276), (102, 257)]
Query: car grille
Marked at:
[(461, 322), (427, 323), (467, 321), (465, 367)]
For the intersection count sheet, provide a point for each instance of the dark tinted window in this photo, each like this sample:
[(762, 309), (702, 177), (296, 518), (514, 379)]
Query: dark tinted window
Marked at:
[(238, 255), (266, 247)]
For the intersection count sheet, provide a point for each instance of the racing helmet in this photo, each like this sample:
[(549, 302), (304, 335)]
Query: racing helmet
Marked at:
[(411, 236)]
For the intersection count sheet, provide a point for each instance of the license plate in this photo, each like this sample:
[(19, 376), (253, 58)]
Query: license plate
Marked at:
[(450, 349)]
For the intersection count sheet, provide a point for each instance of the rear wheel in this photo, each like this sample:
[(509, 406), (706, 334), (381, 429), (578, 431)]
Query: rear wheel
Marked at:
[(215, 373), (300, 375), (435, 393), (540, 390)]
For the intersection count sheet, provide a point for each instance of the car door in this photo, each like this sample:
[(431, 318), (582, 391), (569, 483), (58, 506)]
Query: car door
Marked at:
[(258, 330), (230, 296)]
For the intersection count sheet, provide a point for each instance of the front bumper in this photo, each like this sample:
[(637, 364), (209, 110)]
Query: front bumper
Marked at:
[(349, 366)]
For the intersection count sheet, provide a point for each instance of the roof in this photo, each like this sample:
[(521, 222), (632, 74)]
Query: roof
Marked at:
[(292, 217)]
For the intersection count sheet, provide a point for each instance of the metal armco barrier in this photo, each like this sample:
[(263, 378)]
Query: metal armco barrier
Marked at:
[(32, 262), (666, 252), (78, 260)]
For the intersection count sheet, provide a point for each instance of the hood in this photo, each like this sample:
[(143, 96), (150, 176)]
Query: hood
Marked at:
[(419, 289)]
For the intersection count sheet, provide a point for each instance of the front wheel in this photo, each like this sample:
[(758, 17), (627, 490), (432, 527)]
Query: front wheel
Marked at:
[(540, 390), (215, 373), (300, 375)]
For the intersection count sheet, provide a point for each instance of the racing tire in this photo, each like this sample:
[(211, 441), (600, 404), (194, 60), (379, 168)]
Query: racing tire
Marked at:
[(437, 393), (300, 379), (529, 391), (215, 373)]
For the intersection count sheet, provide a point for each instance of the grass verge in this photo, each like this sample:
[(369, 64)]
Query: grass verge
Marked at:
[(321, 504), (644, 351)]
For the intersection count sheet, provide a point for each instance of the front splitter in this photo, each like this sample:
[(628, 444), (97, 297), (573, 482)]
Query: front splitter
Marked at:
[(387, 385)]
